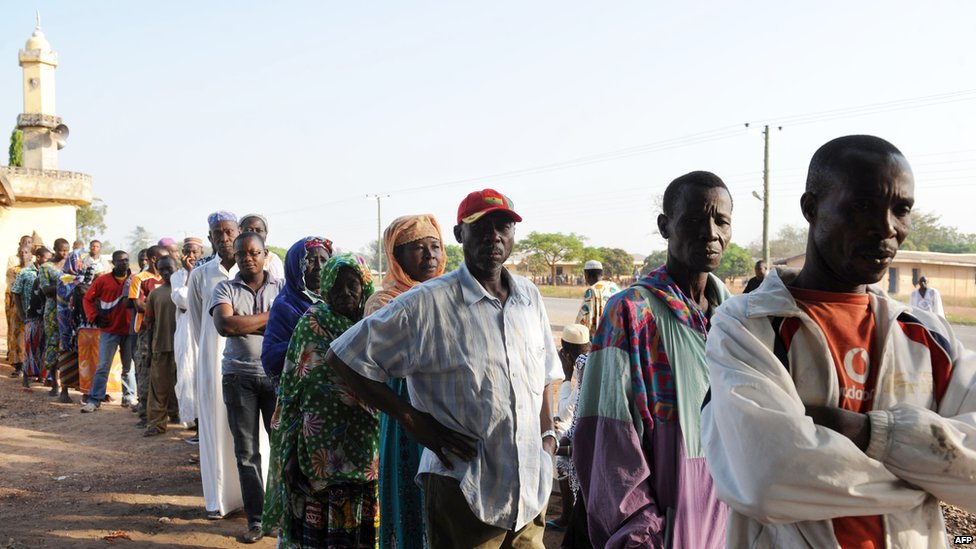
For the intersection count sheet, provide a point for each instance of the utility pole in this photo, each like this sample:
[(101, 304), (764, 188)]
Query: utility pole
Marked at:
[(766, 195), (379, 231)]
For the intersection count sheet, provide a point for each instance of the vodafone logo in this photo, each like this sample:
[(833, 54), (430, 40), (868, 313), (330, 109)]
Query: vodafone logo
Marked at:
[(857, 356)]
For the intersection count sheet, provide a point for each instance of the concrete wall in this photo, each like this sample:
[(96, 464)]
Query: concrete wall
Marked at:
[(950, 280)]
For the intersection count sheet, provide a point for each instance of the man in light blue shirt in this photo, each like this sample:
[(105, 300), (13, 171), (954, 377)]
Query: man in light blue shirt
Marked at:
[(476, 350)]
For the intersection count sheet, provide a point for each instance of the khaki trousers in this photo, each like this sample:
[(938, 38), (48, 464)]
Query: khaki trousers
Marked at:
[(452, 525), (162, 391)]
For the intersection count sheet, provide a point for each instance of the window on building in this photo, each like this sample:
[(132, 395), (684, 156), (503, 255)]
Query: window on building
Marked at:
[(892, 280), (915, 276)]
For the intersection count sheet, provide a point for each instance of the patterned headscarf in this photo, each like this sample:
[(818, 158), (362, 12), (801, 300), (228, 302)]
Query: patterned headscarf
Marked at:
[(331, 271), (263, 219), (403, 230), (311, 243)]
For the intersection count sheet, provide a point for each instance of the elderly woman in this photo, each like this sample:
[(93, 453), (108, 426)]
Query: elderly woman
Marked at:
[(303, 269), (75, 280), (322, 482), (414, 254)]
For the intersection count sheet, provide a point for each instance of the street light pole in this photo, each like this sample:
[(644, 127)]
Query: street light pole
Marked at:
[(766, 195), (379, 231)]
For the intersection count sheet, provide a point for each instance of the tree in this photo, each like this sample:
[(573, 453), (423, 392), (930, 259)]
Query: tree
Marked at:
[(372, 251), (928, 235), (553, 248), (617, 262), (653, 261), (736, 261), (280, 252), (90, 220), (140, 238), (16, 151), (534, 264), (788, 242), (454, 255)]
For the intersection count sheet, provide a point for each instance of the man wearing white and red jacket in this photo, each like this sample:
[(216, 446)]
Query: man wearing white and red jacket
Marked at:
[(839, 417)]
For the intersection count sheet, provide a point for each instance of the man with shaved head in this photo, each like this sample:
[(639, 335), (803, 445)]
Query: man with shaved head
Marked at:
[(839, 417)]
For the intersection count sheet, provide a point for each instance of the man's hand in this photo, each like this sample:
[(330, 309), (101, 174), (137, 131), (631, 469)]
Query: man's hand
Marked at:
[(439, 439), (549, 445), (101, 321), (852, 425)]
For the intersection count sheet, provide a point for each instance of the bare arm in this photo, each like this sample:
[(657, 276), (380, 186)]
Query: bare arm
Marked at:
[(228, 324), (425, 429), (545, 420)]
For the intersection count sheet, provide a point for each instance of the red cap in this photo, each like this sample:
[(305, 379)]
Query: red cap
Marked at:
[(479, 203)]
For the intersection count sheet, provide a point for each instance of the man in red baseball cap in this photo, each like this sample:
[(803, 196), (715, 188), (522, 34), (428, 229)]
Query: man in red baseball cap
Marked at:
[(478, 367)]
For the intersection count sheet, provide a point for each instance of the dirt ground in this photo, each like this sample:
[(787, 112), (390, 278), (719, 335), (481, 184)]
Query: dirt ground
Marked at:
[(73, 480)]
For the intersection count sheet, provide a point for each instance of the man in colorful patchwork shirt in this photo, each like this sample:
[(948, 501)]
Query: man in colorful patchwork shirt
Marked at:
[(839, 417), (636, 447)]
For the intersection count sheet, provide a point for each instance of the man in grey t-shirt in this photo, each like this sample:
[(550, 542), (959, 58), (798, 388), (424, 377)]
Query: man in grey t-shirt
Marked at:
[(240, 312)]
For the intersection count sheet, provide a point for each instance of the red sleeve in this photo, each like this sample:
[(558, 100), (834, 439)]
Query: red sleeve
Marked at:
[(88, 302)]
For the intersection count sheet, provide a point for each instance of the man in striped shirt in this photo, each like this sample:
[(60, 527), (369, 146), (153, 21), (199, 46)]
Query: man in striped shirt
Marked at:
[(476, 350)]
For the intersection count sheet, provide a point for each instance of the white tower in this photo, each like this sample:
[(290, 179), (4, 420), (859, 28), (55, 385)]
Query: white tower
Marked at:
[(44, 131)]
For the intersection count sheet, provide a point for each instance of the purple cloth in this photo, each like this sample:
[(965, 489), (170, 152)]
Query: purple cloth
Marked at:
[(289, 306)]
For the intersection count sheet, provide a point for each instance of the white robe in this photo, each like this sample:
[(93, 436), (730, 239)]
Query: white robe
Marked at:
[(185, 349), (218, 467)]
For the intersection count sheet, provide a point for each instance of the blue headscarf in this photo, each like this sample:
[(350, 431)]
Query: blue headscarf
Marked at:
[(290, 304)]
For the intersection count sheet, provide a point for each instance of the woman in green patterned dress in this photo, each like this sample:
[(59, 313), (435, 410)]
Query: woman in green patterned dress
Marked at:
[(324, 440)]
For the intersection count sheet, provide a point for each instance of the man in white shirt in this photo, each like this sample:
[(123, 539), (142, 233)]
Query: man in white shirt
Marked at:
[(927, 299), (477, 352)]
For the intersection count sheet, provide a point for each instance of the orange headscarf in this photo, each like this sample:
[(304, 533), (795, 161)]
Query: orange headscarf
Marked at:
[(403, 230)]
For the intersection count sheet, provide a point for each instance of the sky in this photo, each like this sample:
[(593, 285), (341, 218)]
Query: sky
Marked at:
[(581, 112)]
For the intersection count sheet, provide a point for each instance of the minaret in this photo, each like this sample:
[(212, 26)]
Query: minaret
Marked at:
[(44, 131)]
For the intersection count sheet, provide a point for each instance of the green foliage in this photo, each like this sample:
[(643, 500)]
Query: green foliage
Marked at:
[(534, 265), (617, 262), (928, 235), (553, 248), (90, 220), (139, 238), (791, 240), (653, 261), (16, 151), (736, 261), (454, 256), (280, 252)]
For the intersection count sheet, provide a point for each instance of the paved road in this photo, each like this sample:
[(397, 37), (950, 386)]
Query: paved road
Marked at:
[(563, 311)]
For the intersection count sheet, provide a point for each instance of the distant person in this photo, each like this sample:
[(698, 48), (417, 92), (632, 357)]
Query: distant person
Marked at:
[(160, 327), (75, 280), (105, 308), (24, 242), (840, 417), (30, 308), (303, 269), (102, 264), (927, 299), (574, 348), (596, 296), (15, 324), (257, 223), (140, 285), (143, 259), (48, 276), (240, 313), (185, 346), (755, 281), (637, 449)]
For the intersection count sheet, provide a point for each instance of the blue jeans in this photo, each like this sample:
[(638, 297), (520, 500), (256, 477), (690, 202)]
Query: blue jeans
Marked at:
[(250, 401), (107, 346)]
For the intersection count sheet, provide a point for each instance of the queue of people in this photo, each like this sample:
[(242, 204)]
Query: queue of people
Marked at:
[(815, 411)]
